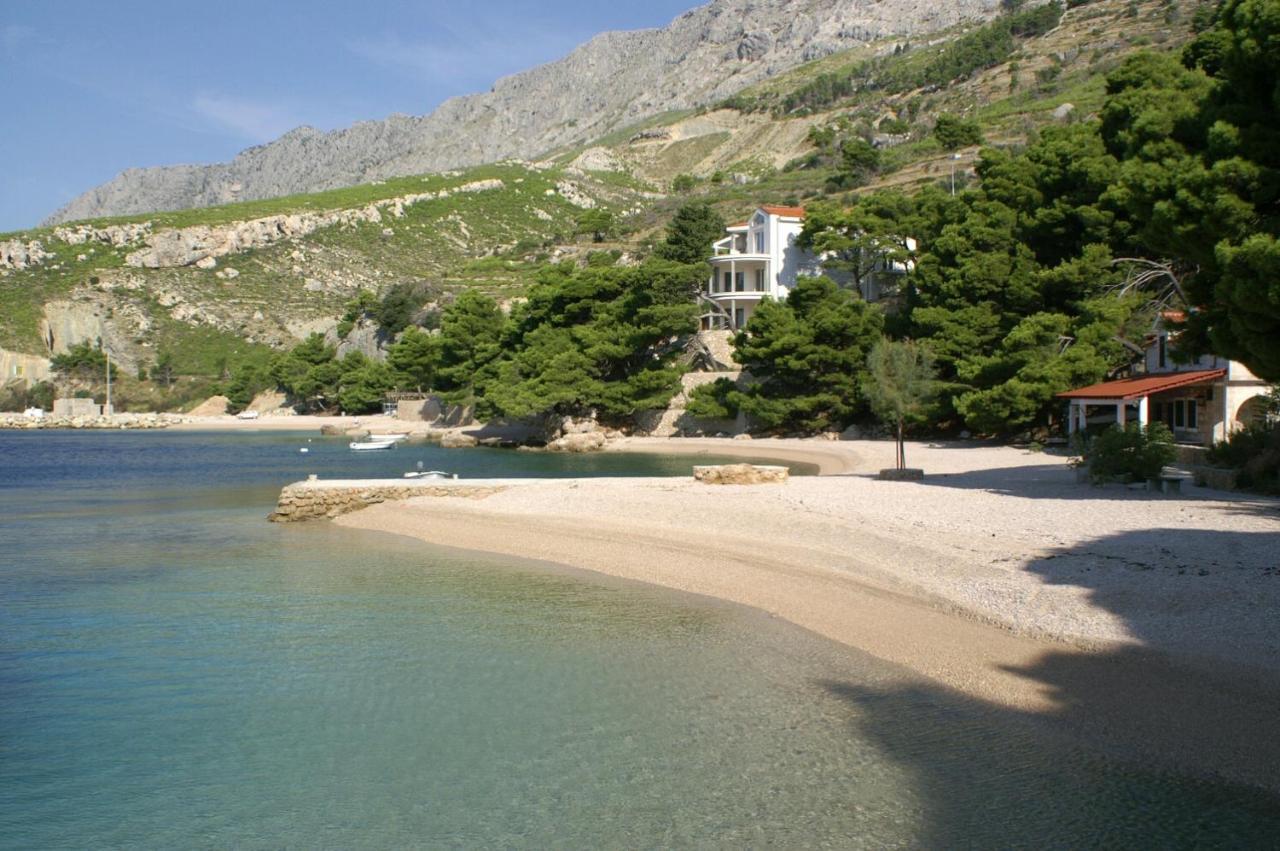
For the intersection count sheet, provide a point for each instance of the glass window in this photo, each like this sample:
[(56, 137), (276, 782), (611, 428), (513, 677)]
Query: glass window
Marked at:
[(740, 281), (1179, 416), (759, 242), (1191, 413), (728, 283), (1163, 350), (759, 280)]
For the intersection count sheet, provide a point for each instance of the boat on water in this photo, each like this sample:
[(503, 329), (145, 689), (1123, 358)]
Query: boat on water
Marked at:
[(430, 474), (367, 445)]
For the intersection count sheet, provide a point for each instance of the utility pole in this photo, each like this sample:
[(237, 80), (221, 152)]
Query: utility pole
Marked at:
[(107, 408)]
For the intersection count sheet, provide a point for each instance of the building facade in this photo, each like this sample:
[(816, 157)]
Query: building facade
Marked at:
[(757, 259), (761, 258)]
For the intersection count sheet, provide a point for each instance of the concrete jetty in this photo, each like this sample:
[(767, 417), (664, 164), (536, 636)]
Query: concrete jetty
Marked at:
[(315, 498)]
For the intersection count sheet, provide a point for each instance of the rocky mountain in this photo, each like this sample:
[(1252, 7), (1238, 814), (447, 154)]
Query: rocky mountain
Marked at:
[(613, 80)]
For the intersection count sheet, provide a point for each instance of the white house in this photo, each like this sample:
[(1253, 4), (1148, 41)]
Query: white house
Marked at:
[(1201, 401), (760, 258)]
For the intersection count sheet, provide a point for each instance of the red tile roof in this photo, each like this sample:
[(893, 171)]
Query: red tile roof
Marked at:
[(1143, 385), (790, 212)]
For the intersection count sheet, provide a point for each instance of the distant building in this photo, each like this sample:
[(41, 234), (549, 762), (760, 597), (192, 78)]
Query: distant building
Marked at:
[(761, 258), (1201, 401)]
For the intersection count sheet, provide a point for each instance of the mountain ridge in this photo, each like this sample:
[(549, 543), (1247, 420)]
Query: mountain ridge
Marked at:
[(611, 80)]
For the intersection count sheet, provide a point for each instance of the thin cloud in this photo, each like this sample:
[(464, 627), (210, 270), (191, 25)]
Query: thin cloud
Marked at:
[(252, 120)]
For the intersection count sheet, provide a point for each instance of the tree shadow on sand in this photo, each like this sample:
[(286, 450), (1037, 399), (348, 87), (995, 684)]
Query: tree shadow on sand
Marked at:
[(1148, 745), (1052, 480)]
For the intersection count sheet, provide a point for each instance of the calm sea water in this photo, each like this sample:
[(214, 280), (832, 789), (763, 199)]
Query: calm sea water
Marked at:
[(176, 672)]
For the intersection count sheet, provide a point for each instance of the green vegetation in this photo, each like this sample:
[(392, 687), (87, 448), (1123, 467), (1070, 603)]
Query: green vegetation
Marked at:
[(83, 363), (1131, 454), (952, 132), (1254, 453), (690, 234), (808, 357), (900, 385), (983, 47)]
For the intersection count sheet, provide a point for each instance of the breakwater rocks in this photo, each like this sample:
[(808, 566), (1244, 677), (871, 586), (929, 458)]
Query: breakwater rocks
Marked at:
[(125, 421), (741, 474), (314, 499)]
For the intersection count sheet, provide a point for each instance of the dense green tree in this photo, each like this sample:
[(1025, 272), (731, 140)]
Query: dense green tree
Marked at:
[(400, 306), (690, 234), (470, 334), (363, 383), (598, 340), (807, 355), (900, 384), (953, 132), (859, 239), (597, 222), (859, 161), (414, 358), (309, 373)]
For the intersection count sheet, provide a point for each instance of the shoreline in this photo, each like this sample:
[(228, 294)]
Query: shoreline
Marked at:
[(937, 588)]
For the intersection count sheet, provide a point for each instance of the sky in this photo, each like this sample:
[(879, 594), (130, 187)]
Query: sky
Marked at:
[(93, 87)]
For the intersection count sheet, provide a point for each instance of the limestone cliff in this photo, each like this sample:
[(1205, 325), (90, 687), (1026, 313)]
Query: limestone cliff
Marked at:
[(612, 80)]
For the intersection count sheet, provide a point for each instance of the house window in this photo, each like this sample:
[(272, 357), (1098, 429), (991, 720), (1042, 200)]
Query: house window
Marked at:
[(728, 283), (739, 281), (759, 280), (759, 242), (1163, 350), (1182, 414), (739, 317)]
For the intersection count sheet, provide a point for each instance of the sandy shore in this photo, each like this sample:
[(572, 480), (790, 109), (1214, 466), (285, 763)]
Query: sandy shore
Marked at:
[(1141, 620)]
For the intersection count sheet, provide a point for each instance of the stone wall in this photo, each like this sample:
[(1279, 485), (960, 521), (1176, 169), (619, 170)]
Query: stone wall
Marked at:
[(312, 500), (115, 421)]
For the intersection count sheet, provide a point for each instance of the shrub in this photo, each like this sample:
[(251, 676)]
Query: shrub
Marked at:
[(713, 401), (1130, 454), (1254, 453), (953, 132)]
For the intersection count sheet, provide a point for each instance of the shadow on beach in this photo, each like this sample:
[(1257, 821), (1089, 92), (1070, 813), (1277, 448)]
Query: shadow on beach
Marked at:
[(1148, 746)]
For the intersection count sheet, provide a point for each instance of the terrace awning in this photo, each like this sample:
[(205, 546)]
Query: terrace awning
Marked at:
[(1144, 385)]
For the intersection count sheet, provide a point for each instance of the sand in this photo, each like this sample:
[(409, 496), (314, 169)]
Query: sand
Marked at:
[(1146, 621)]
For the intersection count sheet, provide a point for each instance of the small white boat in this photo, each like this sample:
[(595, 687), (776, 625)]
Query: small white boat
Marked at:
[(430, 474), (365, 446)]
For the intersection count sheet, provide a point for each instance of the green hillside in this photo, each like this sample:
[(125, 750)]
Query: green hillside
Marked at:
[(779, 141)]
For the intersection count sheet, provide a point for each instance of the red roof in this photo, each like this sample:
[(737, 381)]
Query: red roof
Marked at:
[(791, 212), (1143, 385)]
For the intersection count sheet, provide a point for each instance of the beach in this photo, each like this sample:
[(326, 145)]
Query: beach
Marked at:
[(1142, 620)]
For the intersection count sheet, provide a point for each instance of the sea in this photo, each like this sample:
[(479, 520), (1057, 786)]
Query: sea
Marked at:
[(176, 672)]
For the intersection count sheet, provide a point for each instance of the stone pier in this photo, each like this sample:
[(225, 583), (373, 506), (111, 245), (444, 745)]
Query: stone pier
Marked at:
[(315, 499)]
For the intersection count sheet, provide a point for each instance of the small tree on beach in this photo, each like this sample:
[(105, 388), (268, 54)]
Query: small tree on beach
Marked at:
[(901, 382)]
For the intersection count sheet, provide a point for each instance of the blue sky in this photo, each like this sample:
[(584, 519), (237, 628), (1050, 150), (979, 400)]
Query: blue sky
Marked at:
[(97, 86)]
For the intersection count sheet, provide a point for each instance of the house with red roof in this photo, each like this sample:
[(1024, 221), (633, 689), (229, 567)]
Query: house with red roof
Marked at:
[(1201, 401), (757, 259)]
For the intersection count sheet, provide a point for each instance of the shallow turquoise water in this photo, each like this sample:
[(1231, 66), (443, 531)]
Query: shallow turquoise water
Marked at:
[(176, 672)]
